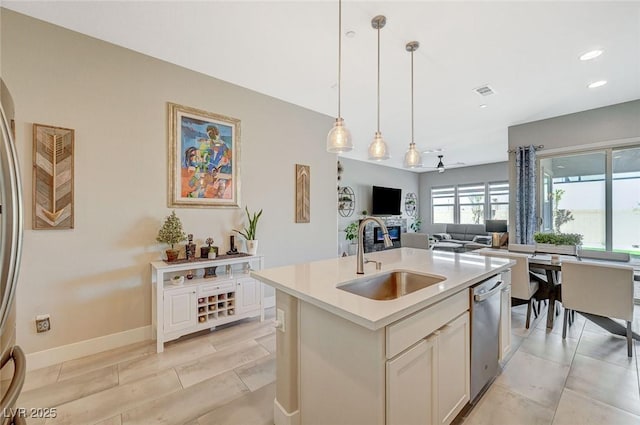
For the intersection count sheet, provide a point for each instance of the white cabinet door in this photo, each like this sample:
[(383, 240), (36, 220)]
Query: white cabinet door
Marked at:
[(453, 368), (247, 294), (411, 385), (179, 309), (505, 322)]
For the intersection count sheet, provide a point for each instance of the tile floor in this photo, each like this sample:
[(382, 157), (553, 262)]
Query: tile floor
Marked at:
[(227, 377)]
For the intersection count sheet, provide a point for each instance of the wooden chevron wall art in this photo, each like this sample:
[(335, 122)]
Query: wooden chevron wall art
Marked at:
[(53, 153), (303, 194)]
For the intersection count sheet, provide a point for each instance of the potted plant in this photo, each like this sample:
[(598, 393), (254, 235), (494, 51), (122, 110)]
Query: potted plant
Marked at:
[(417, 223), (352, 236), (171, 233), (249, 233), (558, 243)]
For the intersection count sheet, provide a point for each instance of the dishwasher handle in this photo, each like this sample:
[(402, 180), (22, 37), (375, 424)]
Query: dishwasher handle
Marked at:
[(481, 297)]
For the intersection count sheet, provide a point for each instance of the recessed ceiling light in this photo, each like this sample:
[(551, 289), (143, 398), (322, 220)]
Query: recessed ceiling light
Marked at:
[(483, 106), (350, 34), (591, 55), (597, 84), (433, 150), (560, 166)]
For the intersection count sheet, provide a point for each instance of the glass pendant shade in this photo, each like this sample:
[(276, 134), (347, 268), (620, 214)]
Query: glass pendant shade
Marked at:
[(378, 148), (339, 138), (412, 159)]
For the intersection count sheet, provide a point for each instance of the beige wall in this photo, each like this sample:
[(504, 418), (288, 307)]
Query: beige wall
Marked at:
[(95, 280)]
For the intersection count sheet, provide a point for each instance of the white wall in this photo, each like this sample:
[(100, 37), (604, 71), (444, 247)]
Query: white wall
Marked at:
[(94, 280), (361, 176), (486, 173), (607, 126)]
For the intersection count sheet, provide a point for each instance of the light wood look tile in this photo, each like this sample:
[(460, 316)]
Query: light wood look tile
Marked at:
[(255, 408), (234, 385), (70, 389), (246, 330), (219, 362), (268, 342), (106, 358), (575, 408), (41, 377), (188, 404), (116, 420), (257, 374), (174, 355), (106, 404)]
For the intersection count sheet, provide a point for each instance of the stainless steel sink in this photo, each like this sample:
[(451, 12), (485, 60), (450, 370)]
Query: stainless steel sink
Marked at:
[(390, 286)]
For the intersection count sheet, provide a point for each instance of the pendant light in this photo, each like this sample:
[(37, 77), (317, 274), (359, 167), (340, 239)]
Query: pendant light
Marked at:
[(339, 138), (412, 159), (378, 148)]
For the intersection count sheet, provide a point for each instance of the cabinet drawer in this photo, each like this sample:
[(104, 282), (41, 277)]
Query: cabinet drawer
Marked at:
[(214, 288), (406, 332)]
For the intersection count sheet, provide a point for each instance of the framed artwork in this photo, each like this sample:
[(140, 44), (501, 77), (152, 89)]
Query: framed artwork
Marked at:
[(204, 159), (53, 206), (303, 193)]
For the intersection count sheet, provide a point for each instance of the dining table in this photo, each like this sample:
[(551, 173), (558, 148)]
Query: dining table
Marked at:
[(552, 290)]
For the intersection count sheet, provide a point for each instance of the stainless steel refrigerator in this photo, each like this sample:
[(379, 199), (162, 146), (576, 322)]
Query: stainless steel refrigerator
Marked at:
[(12, 359)]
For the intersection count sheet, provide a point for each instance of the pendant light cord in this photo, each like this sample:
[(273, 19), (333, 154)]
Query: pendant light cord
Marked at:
[(339, 52), (378, 78), (412, 96)]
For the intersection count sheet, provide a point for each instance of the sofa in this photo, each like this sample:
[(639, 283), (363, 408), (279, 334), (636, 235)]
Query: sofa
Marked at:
[(470, 236)]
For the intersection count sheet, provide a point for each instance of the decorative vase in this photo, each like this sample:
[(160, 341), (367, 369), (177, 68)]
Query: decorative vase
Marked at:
[(252, 247), (172, 255), (211, 254)]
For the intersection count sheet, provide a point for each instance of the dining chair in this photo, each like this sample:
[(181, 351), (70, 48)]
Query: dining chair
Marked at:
[(524, 285), (604, 290)]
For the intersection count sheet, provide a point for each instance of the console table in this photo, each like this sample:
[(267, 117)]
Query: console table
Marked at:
[(219, 291)]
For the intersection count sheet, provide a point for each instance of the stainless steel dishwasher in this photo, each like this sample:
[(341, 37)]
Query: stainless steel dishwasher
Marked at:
[(485, 318)]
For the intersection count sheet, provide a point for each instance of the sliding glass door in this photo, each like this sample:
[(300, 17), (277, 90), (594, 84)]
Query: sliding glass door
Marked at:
[(574, 196), (595, 194), (625, 202)]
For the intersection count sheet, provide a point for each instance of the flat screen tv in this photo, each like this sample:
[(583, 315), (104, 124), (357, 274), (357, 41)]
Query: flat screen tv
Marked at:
[(385, 201)]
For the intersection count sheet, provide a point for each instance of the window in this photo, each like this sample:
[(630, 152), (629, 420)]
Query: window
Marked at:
[(471, 204), (596, 194), (499, 201), (443, 204)]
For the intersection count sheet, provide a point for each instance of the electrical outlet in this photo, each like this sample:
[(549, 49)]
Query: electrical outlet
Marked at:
[(43, 323)]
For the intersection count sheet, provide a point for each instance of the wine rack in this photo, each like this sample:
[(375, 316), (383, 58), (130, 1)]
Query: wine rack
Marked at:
[(217, 306)]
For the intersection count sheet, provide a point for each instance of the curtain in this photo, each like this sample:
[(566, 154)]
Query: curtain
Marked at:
[(525, 194)]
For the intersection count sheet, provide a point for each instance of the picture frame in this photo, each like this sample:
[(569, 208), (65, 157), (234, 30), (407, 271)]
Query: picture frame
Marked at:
[(204, 159)]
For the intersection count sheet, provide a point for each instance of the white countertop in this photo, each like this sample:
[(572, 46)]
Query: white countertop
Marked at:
[(316, 282)]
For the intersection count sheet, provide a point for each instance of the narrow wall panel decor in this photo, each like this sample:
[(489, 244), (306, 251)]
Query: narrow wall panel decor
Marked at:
[(52, 177), (303, 194)]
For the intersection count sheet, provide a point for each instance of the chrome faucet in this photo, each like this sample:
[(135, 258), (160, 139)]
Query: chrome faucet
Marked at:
[(360, 254)]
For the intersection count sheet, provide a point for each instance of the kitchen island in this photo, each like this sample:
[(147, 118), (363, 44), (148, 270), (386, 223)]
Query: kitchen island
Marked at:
[(344, 358)]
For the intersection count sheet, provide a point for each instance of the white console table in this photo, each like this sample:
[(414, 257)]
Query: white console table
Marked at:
[(204, 301)]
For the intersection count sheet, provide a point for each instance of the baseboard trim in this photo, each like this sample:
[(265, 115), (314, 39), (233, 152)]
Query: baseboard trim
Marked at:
[(64, 353), (270, 302), (282, 417)]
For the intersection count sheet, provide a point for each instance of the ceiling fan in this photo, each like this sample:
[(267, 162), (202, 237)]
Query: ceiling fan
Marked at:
[(441, 167)]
